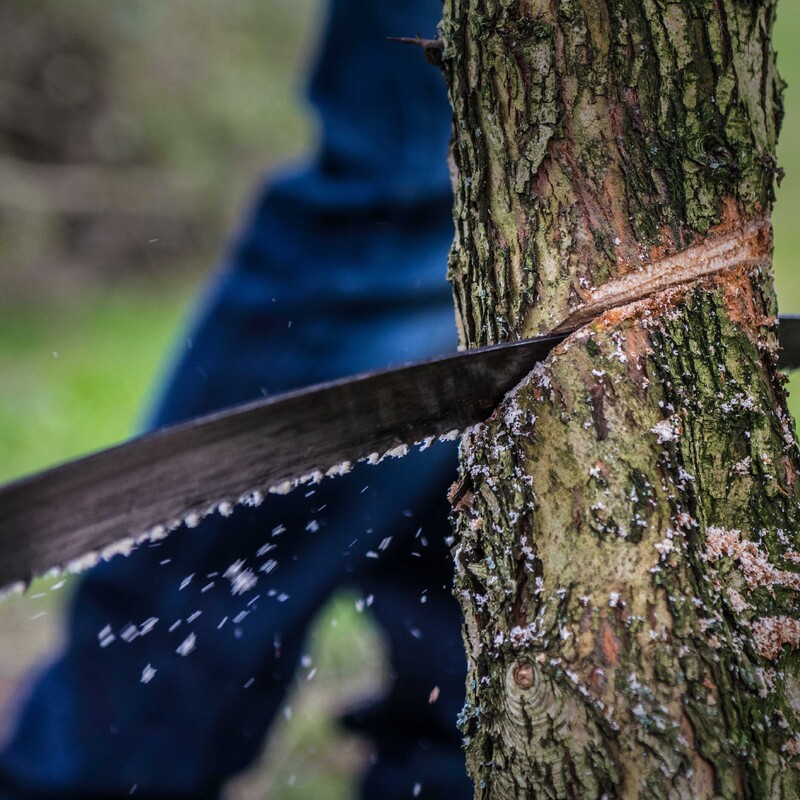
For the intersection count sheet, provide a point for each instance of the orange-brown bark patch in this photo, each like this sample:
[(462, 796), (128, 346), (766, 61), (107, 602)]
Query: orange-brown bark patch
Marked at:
[(609, 644)]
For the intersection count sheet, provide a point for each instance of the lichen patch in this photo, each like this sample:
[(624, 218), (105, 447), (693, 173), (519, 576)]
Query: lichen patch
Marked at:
[(755, 565), (772, 634)]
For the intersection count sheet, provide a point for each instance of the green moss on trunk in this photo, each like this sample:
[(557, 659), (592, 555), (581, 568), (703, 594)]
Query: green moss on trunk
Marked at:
[(627, 556), (593, 135)]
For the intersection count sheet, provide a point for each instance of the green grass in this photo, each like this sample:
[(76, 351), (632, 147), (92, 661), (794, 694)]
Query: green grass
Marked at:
[(76, 377), (787, 209), (308, 755)]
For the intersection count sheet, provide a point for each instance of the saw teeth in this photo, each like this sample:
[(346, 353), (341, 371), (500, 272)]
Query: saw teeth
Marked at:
[(83, 563), (340, 469), (157, 533), (15, 588), (251, 498), (192, 520), (225, 508), (123, 547)]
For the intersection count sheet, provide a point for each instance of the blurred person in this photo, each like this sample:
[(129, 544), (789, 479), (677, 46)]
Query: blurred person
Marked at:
[(178, 658)]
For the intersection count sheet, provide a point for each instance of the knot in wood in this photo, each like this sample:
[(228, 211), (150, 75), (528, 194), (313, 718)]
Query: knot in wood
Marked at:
[(523, 675)]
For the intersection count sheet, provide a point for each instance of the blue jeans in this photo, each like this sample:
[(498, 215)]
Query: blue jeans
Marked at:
[(340, 268)]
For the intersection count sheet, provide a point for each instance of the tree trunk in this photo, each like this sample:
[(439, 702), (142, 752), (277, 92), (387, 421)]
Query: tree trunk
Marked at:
[(626, 553)]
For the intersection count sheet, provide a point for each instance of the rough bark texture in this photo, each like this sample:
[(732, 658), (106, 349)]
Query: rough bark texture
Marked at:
[(627, 551)]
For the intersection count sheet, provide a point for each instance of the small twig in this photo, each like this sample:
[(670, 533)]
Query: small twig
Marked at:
[(432, 48)]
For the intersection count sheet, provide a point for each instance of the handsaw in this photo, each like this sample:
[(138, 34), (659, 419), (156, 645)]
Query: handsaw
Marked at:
[(108, 502)]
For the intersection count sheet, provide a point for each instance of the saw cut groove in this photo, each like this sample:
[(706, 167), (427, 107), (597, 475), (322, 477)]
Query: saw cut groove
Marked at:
[(107, 503), (748, 244)]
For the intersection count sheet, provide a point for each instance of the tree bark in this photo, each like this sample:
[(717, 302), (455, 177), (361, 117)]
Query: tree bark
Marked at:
[(626, 547)]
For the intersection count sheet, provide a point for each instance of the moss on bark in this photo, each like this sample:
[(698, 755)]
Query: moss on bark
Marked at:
[(626, 526), (592, 136)]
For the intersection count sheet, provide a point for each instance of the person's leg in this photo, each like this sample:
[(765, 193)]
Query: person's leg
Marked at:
[(340, 269), (361, 233), (418, 747), (170, 689)]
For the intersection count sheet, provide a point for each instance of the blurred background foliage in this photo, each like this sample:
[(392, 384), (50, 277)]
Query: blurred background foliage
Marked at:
[(131, 135), (123, 125)]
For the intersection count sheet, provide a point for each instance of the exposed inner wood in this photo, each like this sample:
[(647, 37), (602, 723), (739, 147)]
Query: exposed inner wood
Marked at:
[(745, 245)]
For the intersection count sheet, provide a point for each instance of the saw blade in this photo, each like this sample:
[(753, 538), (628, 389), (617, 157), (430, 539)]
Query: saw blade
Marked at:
[(108, 502)]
